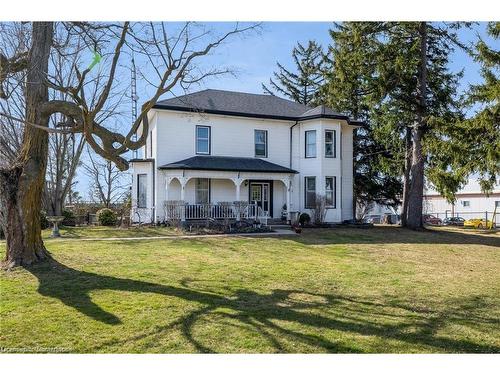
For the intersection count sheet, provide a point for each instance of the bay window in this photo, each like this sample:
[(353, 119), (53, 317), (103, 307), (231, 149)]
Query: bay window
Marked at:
[(330, 191), (310, 192), (330, 149)]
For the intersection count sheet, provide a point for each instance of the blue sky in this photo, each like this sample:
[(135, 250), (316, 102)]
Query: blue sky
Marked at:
[(254, 59)]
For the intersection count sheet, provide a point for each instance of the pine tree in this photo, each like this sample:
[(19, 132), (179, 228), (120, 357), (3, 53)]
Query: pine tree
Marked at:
[(399, 70), (486, 122), (351, 88), (302, 85), (475, 142)]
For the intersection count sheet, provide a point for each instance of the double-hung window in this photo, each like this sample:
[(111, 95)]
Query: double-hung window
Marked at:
[(310, 144), (141, 190), (203, 140), (330, 149), (202, 191), (310, 190), (261, 143), (330, 191)]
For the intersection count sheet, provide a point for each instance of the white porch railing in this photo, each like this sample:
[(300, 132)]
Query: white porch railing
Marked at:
[(182, 211)]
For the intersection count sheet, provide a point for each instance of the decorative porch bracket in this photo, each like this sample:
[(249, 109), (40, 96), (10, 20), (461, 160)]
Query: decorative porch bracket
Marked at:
[(183, 181)]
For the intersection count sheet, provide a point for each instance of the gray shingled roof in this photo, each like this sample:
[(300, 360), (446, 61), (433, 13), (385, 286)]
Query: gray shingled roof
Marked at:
[(245, 104), (320, 110), (228, 163)]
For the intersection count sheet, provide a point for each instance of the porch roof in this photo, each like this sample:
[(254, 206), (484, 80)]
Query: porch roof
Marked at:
[(228, 163)]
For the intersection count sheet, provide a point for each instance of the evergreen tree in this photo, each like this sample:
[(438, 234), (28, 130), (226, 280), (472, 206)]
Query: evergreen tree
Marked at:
[(475, 142), (421, 91), (397, 72), (351, 88), (302, 85)]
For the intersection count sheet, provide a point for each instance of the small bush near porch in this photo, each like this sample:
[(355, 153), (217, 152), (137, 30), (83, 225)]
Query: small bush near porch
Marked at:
[(328, 290)]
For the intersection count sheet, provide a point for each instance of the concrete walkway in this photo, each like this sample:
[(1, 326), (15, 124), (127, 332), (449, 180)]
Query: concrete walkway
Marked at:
[(276, 232)]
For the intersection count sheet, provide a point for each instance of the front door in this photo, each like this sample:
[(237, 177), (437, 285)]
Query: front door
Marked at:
[(260, 193)]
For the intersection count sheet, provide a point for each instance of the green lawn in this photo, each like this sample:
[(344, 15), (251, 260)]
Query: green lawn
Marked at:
[(330, 290), (103, 232)]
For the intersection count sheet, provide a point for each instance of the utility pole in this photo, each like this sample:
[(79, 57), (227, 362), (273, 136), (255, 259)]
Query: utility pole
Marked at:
[(135, 98)]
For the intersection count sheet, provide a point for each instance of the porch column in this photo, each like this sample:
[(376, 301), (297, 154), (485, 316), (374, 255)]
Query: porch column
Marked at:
[(237, 183), (183, 181), (288, 185), (168, 180)]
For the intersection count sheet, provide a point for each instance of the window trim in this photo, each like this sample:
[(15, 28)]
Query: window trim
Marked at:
[(306, 190), (209, 140), (334, 143), (209, 189), (255, 143), (315, 144), (334, 191), (137, 194)]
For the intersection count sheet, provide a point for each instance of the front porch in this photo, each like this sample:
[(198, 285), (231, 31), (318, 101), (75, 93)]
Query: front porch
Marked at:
[(224, 195), (226, 188)]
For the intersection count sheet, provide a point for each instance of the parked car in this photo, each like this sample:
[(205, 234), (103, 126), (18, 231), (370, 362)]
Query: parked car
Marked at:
[(456, 221), (478, 223), (432, 220)]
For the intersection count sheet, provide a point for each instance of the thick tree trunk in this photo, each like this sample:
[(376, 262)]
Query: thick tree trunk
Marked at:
[(406, 177), (23, 183), (416, 191)]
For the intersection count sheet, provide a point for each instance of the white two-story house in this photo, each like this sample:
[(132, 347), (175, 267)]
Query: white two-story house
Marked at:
[(211, 148)]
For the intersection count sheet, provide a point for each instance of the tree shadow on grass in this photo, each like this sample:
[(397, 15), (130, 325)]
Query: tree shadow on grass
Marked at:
[(271, 315), (388, 235)]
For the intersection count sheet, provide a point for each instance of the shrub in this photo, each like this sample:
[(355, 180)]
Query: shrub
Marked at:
[(106, 217), (318, 211), (44, 223), (304, 218), (69, 218)]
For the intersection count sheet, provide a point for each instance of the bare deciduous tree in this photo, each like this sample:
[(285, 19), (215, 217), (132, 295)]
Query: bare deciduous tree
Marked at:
[(318, 211), (107, 183), (172, 55)]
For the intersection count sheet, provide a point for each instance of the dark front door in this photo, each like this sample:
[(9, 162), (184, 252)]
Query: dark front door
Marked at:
[(260, 193)]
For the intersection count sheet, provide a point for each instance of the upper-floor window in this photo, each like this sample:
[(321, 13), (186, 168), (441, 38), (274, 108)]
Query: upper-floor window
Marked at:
[(465, 203), (330, 191), (311, 144), (202, 191), (261, 143), (497, 204), (310, 192), (141, 190), (203, 140), (330, 144)]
